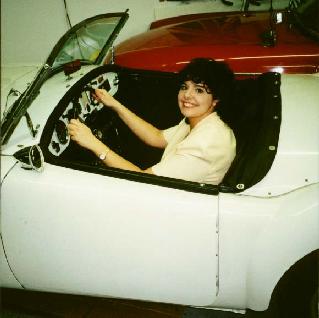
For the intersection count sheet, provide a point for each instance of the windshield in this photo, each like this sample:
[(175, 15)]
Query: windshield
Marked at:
[(86, 43)]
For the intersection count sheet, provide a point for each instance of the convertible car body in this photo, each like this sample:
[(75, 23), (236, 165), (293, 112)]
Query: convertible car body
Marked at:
[(72, 225)]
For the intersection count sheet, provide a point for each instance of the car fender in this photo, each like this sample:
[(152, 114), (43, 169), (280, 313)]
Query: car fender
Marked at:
[(291, 233), (7, 163), (7, 277)]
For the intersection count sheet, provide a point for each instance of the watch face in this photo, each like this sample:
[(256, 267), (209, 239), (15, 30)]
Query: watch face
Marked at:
[(102, 156)]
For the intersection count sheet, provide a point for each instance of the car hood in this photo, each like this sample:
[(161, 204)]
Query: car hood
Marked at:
[(229, 28), (228, 36)]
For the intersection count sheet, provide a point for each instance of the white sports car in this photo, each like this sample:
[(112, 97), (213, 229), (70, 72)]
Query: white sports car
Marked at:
[(72, 225)]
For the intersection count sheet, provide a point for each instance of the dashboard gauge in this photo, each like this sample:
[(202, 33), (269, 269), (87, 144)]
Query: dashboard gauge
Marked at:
[(61, 132)]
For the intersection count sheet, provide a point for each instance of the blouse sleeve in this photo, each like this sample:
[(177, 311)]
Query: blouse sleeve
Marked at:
[(169, 132)]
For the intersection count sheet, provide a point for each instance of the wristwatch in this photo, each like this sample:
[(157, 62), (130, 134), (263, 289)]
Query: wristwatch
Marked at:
[(103, 155)]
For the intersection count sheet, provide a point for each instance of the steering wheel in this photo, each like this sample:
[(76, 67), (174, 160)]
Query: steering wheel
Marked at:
[(83, 106)]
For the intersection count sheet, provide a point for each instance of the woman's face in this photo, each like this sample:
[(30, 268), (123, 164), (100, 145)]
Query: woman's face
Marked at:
[(195, 103)]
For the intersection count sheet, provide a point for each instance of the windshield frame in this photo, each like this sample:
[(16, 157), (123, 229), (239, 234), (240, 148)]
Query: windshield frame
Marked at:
[(19, 108), (60, 44)]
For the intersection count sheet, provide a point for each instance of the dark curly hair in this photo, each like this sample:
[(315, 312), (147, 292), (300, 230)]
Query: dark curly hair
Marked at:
[(218, 78)]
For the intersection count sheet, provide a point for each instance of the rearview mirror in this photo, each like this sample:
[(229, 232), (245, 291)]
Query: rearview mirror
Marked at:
[(31, 158)]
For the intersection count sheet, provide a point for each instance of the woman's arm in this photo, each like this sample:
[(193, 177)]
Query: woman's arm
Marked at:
[(144, 130), (82, 135)]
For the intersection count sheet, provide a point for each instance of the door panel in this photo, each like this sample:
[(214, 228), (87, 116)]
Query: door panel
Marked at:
[(77, 232)]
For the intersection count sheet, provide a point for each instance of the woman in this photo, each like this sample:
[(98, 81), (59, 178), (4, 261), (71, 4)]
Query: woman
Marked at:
[(200, 148)]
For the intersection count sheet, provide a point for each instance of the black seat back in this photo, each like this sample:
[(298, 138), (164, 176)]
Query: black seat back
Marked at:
[(256, 124)]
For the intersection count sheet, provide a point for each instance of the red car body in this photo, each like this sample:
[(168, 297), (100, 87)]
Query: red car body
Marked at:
[(251, 42)]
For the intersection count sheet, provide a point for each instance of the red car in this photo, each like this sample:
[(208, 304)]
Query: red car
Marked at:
[(285, 41)]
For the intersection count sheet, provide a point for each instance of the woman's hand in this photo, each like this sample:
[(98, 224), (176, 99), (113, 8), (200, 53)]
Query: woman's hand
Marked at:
[(81, 134), (104, 97)]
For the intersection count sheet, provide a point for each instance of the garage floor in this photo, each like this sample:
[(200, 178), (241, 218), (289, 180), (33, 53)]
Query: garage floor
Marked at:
[(21, 304)]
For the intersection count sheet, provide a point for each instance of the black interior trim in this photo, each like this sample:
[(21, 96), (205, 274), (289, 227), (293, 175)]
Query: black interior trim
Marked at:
[(139, 177), (257, 127)]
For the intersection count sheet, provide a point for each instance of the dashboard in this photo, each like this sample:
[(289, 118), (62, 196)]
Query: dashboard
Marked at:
[(82, 106)]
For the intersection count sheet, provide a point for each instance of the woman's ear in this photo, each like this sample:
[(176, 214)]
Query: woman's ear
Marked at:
[(215, 103)]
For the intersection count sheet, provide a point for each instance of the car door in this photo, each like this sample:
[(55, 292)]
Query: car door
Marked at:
[(72, 231)]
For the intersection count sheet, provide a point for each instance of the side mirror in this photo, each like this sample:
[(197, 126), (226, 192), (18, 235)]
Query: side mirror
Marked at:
[(31, 158)]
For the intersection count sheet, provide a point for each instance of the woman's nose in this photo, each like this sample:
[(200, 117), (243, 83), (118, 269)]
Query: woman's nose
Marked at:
[(188, 93)]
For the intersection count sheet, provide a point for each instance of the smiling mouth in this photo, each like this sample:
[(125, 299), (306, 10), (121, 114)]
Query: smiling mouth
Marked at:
[(188, 105)]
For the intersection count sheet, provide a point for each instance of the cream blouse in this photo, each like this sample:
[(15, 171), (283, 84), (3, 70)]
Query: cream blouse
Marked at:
[(203, 154)]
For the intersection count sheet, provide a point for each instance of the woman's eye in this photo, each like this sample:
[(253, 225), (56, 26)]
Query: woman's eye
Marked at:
[(199, 90), (183, 87)]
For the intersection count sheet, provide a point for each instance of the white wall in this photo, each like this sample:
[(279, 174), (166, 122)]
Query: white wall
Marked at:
[(26, 24), (30, 28)]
